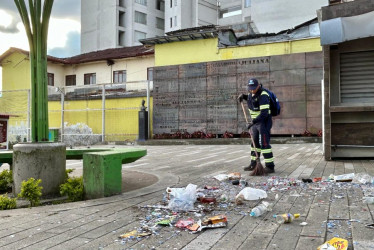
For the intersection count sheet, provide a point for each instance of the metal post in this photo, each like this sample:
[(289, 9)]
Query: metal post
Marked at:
[(62, 115), (149, 109), (103, 115)]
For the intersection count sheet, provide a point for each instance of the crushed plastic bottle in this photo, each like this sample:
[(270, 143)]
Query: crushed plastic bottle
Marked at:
[(260, 209), (286, 218)]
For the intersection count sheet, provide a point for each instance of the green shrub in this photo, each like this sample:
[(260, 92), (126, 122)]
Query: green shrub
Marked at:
[(7, 203), (73, 188), (6, 180), (67, 172), (31, 191)]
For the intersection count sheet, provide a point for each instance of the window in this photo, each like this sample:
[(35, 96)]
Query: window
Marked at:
[(140, 17), (119, 76), (70, 80), (233, 11), (160, 23), (160, 5), (150, 74), (142, 2), (171, 3), (121, 18), (90, 79), (121, 38), (171, 22), (175, 21), (175, 2), (122, 3), (139, 35), (247, 3), (51, 79)]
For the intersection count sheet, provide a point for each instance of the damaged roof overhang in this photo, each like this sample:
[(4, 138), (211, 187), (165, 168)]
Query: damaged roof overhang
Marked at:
[(344, 29)]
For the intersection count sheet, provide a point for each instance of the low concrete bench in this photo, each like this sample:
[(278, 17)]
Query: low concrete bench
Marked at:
[(6, 157), (102, 167), (102, 171)]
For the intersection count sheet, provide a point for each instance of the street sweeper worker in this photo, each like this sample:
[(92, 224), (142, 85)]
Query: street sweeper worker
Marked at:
[(258, 102)]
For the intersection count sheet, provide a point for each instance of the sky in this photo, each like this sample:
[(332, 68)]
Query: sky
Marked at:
[(64, 28)]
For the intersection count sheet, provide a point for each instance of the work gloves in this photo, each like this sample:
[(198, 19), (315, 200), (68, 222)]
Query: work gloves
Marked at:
[(240, 98)]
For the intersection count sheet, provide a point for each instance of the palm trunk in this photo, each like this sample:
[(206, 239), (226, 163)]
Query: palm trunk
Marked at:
[(37, 34)]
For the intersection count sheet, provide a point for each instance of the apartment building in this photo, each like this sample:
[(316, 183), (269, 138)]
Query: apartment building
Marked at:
[(181, 14), (119, 23)]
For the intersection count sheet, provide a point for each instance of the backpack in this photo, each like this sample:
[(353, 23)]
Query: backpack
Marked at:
[(275, 107)]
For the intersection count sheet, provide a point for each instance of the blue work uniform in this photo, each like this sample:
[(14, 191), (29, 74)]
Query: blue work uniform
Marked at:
[(259, 110)]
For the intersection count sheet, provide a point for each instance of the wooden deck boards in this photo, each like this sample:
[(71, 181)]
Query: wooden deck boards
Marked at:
[(330, 210)]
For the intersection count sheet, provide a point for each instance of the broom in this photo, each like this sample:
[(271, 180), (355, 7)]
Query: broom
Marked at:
[(259, 169)]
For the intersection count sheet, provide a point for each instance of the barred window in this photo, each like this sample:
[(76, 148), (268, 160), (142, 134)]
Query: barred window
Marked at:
[(140, 17)]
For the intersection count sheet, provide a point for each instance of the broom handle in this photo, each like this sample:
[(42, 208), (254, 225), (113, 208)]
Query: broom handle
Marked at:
[(246, 119)]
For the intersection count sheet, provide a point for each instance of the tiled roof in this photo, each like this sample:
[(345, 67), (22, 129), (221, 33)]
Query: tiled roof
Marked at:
[(108, 54)]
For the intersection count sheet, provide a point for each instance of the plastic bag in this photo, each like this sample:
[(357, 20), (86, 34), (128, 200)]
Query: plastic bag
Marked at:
[(252, 194), (182, 199)]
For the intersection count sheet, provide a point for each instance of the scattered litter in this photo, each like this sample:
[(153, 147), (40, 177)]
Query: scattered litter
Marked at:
[(362, 178), (134, 234), (285, 218), (234, 176), (221, 177), (307, 180), (317, 179), (303, 223), (344, 177), (368, 200), (252, 194), (184, 223), (334, 244), (370, 226)]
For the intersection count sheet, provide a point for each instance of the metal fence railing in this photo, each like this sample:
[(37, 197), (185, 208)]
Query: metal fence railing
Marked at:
[(81, 115)]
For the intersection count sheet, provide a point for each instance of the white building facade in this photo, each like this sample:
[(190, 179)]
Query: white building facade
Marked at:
[(119, 23)]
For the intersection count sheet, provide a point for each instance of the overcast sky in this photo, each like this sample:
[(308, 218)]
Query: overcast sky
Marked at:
[(64, 28)]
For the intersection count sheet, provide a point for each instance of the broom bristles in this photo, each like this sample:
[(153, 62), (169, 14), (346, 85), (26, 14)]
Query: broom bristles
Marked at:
[(259, 170)]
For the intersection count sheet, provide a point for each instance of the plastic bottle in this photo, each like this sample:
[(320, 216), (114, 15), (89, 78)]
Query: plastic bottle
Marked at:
[(260, 209), (242, 183), (286, 218)]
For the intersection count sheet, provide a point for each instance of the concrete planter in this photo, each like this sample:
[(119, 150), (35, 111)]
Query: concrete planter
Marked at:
[(45, 161)]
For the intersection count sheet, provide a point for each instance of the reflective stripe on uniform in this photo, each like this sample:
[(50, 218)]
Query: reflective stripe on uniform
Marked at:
[(265, 106), (257, 149), (266, 151), (269, 160)]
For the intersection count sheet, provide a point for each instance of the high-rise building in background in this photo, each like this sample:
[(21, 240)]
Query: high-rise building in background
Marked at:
[(121, 23)]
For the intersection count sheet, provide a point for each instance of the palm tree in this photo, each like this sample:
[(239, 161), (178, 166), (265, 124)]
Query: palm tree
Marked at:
[(37, 33)]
